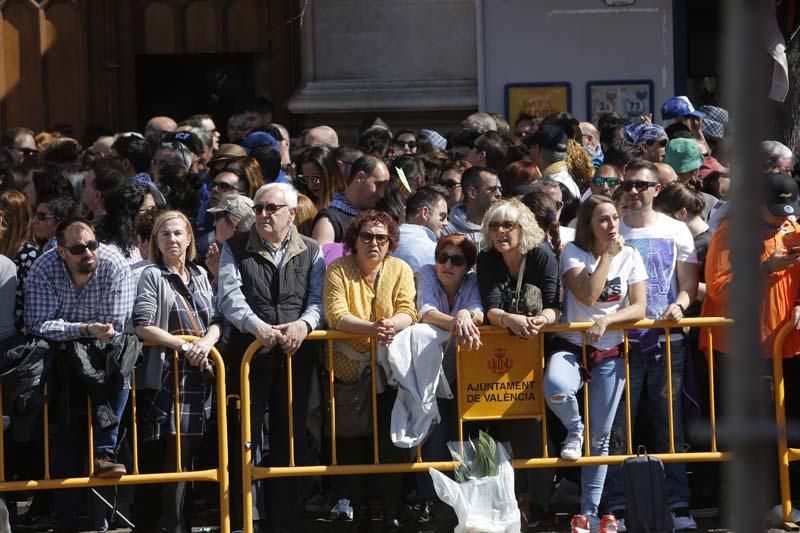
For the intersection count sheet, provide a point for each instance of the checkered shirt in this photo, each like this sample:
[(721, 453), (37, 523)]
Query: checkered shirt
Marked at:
[(54, 308)]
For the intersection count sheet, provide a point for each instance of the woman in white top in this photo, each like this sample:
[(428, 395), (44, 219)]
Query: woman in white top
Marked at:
[(604, 283)]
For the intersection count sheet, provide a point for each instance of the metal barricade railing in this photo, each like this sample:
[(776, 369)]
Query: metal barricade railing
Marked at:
[(251, 472), (218, 475), (785, 454)]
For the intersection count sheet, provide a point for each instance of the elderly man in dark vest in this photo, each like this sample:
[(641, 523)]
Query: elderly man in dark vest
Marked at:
[(270, 289)]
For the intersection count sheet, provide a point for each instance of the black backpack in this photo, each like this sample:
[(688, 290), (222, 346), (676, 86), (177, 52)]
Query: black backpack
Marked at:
[(645, 494)]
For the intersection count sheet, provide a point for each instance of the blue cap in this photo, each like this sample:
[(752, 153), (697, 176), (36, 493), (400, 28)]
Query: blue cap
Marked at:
[(679, 106), (260, 138)]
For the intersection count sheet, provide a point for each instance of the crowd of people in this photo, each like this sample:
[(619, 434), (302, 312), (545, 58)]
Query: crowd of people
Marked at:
[(270, 235)]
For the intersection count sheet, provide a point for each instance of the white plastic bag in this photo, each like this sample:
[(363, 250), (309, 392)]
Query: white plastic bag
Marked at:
[(482, 505)]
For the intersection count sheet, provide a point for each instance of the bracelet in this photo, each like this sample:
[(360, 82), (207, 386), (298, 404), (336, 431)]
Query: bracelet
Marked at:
[(682, 308)]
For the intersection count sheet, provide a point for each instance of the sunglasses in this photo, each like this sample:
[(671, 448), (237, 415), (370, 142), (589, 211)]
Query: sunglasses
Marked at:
[(455, 260), (661, 142), (367, 237), (641, 186), (506, 225), (410, 144), (451, 184), (598, 181), (310, 179), (44, 216), (267, 209), (78, 249), (223, 186)]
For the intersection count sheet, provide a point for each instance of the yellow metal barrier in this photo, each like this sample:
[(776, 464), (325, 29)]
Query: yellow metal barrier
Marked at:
[(251, 473), (785, 454), (218, 475)]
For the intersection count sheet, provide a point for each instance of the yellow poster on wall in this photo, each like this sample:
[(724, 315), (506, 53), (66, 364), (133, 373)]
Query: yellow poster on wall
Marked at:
[(536, 100), (502, 379)]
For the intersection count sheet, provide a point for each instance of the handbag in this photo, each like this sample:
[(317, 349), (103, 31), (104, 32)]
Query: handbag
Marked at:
[(353, 406), (527, 298)]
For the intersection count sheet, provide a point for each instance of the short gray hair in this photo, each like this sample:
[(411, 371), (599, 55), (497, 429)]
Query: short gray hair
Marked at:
[(773, 151), (289, 193), (205, 137), (480, 122)]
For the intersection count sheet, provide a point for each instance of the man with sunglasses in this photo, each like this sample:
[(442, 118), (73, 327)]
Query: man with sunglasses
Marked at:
[(270, 290), (652, 141), (667, 247), (81, 291), (21, 143), (426, 216), (605, 181)]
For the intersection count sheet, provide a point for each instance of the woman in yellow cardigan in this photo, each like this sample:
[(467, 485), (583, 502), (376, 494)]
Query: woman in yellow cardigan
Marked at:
[(369, 293)]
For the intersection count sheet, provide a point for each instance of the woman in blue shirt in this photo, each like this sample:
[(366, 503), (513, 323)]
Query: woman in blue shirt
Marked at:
[(448, 297)]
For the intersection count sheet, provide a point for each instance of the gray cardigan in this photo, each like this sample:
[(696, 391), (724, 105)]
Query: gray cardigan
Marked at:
[(155, 296)]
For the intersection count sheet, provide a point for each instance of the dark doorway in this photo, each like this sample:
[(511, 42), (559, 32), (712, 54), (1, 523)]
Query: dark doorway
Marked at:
[(182, 85)]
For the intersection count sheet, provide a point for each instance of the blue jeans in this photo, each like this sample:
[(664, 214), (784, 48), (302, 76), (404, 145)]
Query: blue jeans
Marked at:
[(651, 370), (562, 381)]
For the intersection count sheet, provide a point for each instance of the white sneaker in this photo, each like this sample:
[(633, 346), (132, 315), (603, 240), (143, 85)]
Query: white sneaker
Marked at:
[(775, 516), (621, 525), (342, 510), (572, 446), (683, 522)]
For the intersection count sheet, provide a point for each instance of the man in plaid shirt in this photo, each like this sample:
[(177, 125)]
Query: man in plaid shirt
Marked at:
[(81, 290)]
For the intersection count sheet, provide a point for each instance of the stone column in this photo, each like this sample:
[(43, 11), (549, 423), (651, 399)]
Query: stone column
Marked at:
[(412, 62)]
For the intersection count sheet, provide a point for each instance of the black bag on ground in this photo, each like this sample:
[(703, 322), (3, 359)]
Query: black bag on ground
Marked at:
[(645, 494), (353, 406)]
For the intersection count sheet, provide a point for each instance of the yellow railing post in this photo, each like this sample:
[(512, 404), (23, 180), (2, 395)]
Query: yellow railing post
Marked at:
[(780, 420)]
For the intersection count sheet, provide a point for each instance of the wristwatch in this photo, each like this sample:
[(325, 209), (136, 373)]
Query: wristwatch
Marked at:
[(185, 347)]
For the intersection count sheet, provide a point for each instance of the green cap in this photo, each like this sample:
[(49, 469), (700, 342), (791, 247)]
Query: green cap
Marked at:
[(683, 155)]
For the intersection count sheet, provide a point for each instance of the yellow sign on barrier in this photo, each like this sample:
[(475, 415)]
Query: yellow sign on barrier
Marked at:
[(502, 379)]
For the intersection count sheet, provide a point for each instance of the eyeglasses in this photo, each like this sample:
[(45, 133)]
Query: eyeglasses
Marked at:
[(641, 186), (367, 237), (451, 184), (598, 181), (267, 209), (410, 144), (310, 179), (223, 186), (661, 142), (44, 216), (78, 249), (455, 260), (506, 225)]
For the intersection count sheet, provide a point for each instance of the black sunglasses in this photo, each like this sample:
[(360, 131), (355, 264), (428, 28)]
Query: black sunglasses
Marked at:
[(661, 142), (223, 186), (641, 186), (367, 237), (598, 181), (78, 249), (507, 225), (456, 260), (268, 209), (451, 184)]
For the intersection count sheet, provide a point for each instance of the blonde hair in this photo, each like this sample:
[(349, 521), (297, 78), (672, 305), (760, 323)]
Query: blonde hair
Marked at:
[(579, 163), (513, 210), (154, 254)]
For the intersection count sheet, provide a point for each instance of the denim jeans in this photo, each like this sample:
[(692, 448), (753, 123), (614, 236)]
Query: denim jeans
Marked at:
[(650, 371), (105, 440), (561, 383)]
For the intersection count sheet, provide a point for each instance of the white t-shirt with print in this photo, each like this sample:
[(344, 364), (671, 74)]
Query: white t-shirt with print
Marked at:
[(662, 245), (626, 269)]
